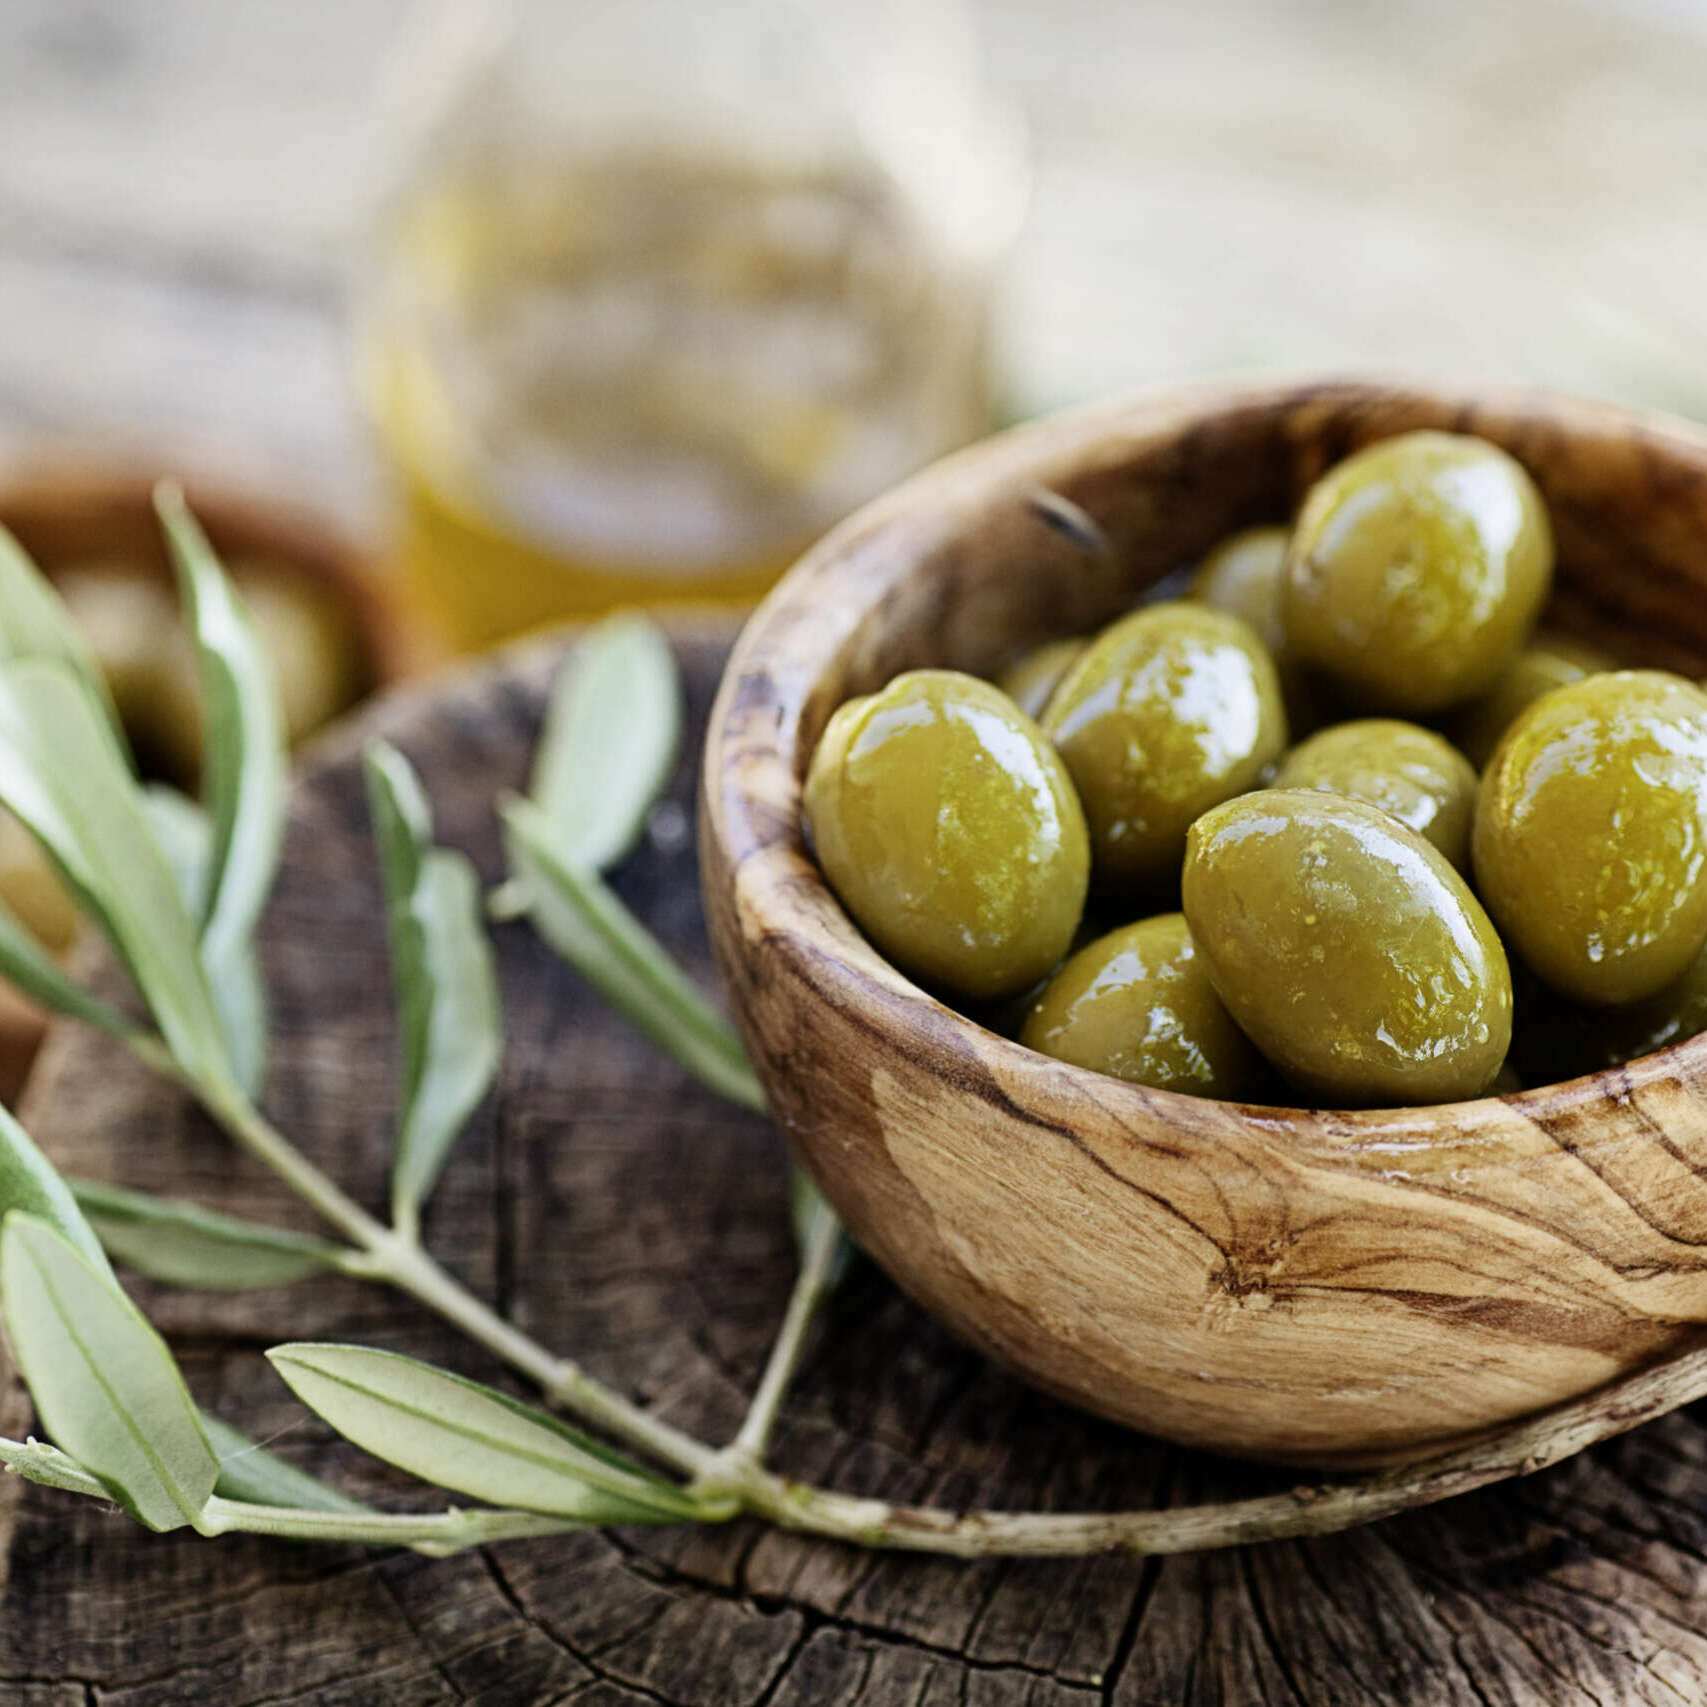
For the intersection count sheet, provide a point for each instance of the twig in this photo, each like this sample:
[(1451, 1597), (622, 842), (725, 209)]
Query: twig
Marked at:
[(811, 1285)]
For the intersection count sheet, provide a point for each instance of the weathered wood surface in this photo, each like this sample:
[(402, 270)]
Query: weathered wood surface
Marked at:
[(620, 1212)]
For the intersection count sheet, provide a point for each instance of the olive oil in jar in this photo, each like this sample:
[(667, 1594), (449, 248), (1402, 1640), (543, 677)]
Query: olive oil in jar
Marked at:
[(651, 375)]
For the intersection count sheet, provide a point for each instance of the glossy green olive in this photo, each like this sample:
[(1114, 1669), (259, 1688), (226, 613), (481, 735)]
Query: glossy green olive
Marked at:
[(1416, 571), (1348, 949), (1550, 661), (948, 827), (1406, 770), (1245, 575), (1166, 713), (1590, 843), (1137, 1004), (1031, 681)]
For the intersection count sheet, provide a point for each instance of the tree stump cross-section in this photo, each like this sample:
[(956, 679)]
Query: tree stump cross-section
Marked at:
[(624, 1215)]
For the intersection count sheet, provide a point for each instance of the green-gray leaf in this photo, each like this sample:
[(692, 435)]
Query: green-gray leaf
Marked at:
[(103, 1382), (47, 1466), (446, 984), (34, 623), (29, 1182), (183, 1244), (243, 759), (27, 964), (585, 922), (185, 840), (474, 1440), (63, 775), (252, 1473), (611, 734)]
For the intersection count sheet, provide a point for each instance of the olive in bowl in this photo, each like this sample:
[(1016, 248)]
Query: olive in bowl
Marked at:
[(951, 832), (1348, 949), (1139, 1004), (1409, 772), (1417, 569), (1166, 713), (1325, 1286), (1591, 834)]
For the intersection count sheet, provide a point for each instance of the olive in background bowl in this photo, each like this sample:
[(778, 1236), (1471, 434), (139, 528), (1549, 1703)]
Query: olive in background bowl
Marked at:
[(87, 519), (1332, 1288)]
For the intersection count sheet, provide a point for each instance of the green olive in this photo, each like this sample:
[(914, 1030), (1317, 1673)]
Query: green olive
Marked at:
[(1551, 661), (1032, 679), (1137, 1004), (1348, 949), (947, 826), (1245, 575), (1590, 842), (1167, 712), (1409, 772), (1417, 570)]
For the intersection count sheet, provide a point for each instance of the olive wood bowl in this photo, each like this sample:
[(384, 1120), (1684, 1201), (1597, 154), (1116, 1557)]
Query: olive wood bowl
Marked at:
[(1333, 1288)]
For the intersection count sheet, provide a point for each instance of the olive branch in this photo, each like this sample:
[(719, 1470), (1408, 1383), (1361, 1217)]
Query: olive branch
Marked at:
[(176, 887)]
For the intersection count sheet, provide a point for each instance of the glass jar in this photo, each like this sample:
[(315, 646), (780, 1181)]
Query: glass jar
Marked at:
[(656, 293)]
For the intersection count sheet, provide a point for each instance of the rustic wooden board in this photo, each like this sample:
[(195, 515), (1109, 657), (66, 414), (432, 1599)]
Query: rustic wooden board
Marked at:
[(622, 1213)]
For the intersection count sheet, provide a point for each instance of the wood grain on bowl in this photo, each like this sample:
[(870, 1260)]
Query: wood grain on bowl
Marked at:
[(1329, 1288)]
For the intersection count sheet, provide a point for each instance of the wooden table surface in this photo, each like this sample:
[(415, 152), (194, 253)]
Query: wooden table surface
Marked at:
[(629, 1218)]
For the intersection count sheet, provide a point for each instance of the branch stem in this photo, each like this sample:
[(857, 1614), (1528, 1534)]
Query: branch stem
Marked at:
[(434, 1533), (400, 1261), (811, 1286)]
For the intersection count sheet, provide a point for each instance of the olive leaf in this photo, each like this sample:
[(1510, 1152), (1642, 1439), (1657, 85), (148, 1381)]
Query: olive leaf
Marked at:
[(27, 964), (446, 983), (475, 1440), (184, 837), (47, 1466), (580, 917), (104, 1384), (183, 1244), (612, 730), (62, 773), (250, 1472), (34, 623), (29, 1182), (244, 761)]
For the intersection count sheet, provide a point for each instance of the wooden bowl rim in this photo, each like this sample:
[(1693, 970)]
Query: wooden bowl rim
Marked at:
[(785, 901)]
